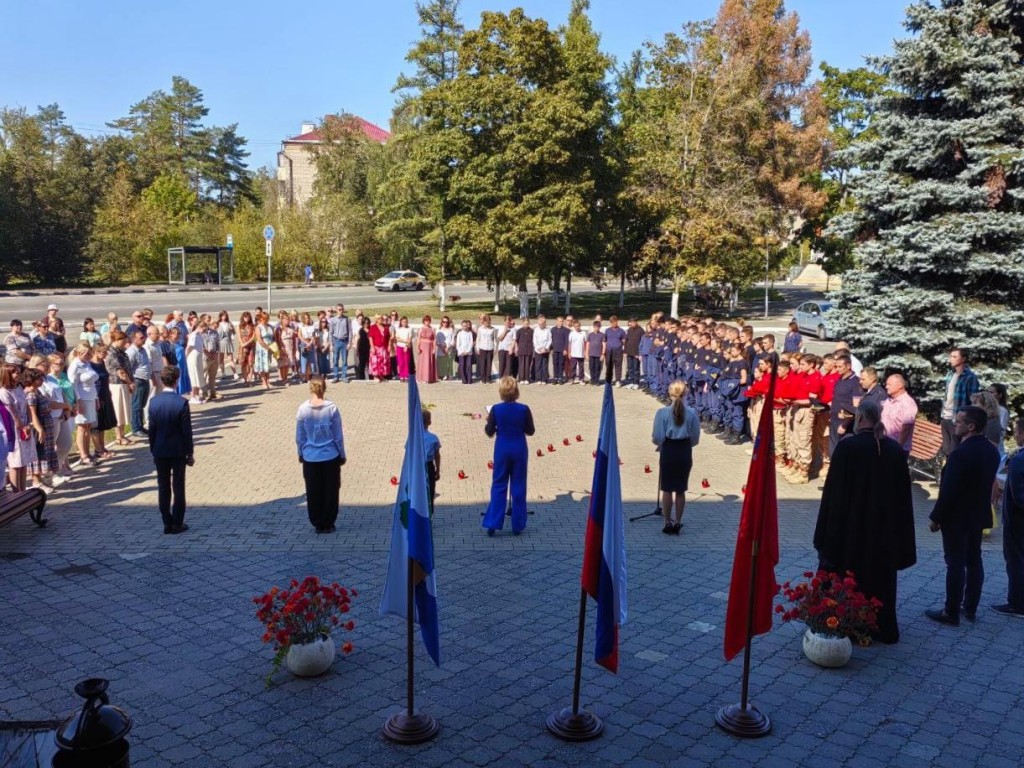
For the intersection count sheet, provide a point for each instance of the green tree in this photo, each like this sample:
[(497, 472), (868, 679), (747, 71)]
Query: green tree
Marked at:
[(939, 224)]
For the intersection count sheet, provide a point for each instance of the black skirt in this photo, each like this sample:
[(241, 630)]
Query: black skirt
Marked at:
[(675, 465)]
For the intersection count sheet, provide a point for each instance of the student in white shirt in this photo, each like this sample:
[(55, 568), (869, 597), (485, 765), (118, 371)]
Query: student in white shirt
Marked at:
[(464, 344), (577, 351), (486, 342), (541, 350)]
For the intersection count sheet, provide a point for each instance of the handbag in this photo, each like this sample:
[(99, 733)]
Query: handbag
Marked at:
[(275, 350)]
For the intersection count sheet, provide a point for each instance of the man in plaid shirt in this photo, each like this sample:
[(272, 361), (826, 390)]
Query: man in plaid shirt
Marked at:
[(961, 383)]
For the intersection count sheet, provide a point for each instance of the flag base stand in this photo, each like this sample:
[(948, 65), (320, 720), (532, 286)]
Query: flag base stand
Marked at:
[(574, 726), (745, 722), (403, 728)]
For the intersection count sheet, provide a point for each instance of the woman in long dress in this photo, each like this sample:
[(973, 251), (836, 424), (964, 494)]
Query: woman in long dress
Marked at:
[(512, 423), (380, 345), (444, 343), (676, 432), (264, 338), (246, 345), (194, 359), (106, 417), (184, 385), (306, 344), (426, 364), (226, 343), (363, 349), (24, 451), (285, 338)]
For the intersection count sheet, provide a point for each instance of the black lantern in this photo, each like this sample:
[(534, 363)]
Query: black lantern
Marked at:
[(94, 736)]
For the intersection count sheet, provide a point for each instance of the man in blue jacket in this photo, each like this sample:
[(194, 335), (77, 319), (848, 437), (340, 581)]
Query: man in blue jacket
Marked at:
[(170, 442), (962, 511), (1013, 529)]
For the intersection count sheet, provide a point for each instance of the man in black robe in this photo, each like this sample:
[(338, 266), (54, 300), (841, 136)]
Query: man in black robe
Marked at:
[(866, 519)]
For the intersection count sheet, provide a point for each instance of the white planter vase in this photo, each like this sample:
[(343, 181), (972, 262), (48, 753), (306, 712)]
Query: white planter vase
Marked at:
[(310, 659), (825, 651)]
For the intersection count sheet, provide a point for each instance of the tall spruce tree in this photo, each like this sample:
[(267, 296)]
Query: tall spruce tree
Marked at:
[(940, 223)]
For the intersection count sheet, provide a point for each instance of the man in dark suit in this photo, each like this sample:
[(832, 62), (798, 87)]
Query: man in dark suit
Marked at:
[(170, 442), (962, 511)]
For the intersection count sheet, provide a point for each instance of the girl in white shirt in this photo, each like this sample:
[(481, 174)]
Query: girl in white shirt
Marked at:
[(464, 343), (486, 342)]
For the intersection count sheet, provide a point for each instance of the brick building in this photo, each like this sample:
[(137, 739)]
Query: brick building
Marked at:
[(296, 167)]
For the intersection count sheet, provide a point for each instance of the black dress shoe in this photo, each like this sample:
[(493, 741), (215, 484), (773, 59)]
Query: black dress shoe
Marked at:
[(942, 617), (1008, 610), (971, 616), (180, 528), (168, 529)]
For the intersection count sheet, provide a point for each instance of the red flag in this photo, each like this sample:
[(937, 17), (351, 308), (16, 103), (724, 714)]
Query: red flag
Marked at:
[(759, 528)]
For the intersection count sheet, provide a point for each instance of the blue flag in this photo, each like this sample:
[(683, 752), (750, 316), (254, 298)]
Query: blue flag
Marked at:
[(412, 539)]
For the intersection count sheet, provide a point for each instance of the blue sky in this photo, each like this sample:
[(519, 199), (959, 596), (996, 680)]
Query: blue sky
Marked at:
[(270, 66)]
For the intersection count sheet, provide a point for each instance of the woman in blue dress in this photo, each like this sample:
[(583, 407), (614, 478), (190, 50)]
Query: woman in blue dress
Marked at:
[(184, 382), (512, 422)]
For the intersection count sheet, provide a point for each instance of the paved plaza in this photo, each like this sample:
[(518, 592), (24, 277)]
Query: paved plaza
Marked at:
[(168, 619)]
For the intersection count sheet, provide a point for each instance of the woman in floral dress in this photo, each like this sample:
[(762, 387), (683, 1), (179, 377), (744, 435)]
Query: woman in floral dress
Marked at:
[(285, 347), (264, 338), (380, 345), (42, 423)]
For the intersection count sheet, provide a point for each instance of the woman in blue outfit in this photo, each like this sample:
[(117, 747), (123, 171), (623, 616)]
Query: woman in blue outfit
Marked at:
[(512, 422)]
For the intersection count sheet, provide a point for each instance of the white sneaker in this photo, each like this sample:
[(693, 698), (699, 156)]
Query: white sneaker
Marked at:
[(195, 401), (236, 377)]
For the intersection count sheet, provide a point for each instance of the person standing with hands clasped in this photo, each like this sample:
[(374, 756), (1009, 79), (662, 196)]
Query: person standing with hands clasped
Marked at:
[(321, 446), (676, 432), (512, 422), (170, 442), (962, 511)]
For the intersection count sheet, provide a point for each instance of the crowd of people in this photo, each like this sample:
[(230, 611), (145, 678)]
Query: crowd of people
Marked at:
[(711, 375)]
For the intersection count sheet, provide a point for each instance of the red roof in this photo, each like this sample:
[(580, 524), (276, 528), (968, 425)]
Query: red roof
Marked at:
[(370, 131)]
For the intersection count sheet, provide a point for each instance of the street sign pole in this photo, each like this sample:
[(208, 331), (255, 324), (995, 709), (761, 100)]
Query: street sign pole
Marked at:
[(268, 235), (270, 254)]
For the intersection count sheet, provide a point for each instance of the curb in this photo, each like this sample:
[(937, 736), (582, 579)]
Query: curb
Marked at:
[(171, 289)]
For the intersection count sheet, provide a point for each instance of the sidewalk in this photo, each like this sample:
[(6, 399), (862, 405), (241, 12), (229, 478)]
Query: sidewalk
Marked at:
[(102, 592)]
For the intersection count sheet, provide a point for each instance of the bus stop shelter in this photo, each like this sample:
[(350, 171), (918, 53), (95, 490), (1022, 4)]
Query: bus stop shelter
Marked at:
[(207, 265)]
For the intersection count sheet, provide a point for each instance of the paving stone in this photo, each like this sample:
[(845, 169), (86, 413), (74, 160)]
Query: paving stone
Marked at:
[(168, 619)]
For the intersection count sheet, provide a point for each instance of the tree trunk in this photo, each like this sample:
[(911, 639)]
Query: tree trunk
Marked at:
[(568, 292), (674, 310), (497, 295), (440, 292), (622, 289)]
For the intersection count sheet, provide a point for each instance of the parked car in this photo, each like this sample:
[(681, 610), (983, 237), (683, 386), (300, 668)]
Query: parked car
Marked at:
[(401, 280), (812, 317)]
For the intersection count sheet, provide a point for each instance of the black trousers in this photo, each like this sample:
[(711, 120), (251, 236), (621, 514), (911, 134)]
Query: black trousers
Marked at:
[(558, 365), (949, 437), (595, 369), (485, 361), (540, 367), (1013, 552), (615, 356), (323, 486), (506, 363), (525, 367), (965, 573), (466, 369), (170, 484), (576, 368)]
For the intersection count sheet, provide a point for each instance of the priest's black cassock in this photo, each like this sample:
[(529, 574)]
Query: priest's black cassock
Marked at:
[(866, 520)]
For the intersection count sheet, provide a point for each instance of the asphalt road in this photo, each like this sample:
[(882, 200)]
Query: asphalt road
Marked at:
[(75, 308)]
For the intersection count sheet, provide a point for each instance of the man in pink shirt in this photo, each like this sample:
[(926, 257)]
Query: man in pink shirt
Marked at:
[(899, 411)]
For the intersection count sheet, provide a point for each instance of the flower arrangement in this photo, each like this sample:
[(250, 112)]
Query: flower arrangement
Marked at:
[(303, 613), (831, 605)]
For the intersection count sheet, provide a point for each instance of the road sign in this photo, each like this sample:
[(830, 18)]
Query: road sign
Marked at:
[(270, 247), (268, 232), (231, 242)]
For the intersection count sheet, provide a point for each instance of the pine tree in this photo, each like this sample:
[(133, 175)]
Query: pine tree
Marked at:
[(940, 223)]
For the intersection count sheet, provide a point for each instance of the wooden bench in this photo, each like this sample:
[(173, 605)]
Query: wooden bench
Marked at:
[(926, 457), (15, 504)]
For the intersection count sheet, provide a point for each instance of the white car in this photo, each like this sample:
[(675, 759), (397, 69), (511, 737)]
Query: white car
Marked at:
[(401, 280), (812, 317)]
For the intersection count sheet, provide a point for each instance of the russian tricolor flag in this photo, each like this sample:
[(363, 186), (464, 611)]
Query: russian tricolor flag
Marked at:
[(604, 553)]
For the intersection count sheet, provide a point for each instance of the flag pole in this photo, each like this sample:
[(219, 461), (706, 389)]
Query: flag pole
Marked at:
[(744, 719), (572, 723), (409, 727)]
